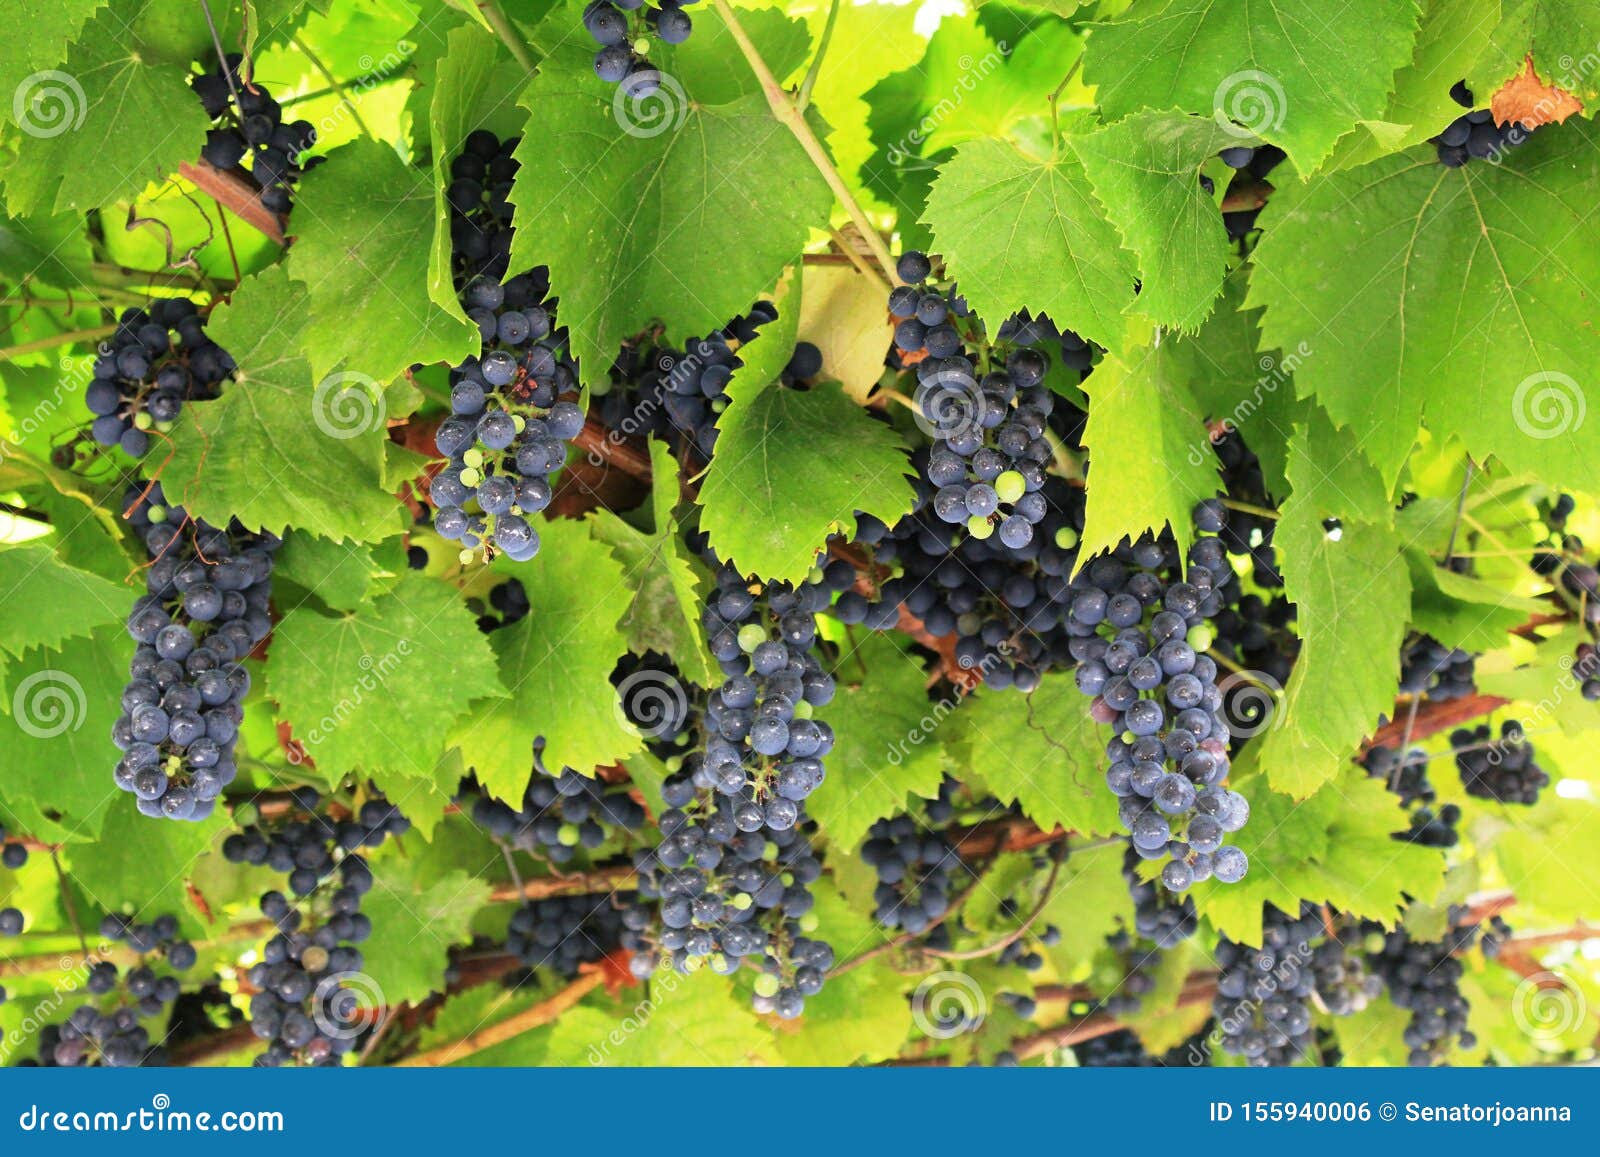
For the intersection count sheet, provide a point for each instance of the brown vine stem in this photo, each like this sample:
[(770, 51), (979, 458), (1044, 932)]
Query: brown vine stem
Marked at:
[(794, 120), (236, 194), (540, 1014), (71, 961), (619, 876)]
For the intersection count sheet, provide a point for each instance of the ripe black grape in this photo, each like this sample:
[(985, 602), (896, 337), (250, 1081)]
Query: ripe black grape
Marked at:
[(1503, 769), (248, 125)]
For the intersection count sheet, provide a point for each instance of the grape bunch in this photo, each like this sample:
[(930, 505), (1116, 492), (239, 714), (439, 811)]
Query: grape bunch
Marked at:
[(1424, 977), (678, 394), (92, 1036), (990, 450), (304, 849), (13, 855), (1440, 673), (559, 814), (479, 196), (1503, 769), (560, 933), (1247, 533), (205, 610), (1161, 920), (1139, 627), (1342, 981), (507, 432), (624, 38), (158, 359), (914, 869), (1006, 606), (1407, 778), (1263, 994), (1474, 134), (249, 125)]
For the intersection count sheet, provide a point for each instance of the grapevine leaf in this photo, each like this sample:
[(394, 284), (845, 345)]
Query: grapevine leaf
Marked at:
[(557, 663), (1560, 37), (362, 690), (695, 1020), (52, 249), (143, 866), (756, 516), (1335, 847), (1149, 450), (340, 575), (59, 703), (1146, 172), (1548, 681), (1352, 592), (886, 742), (43, 601), (1292, 71), (1455, 296), (1543, 852), (365, 226), (841, 313), (1090, 899), (782, 41), (1041, 750), (1019, 233), (1460, 611), (416, 918), (36, 37), (117, 115), (623, 208), (275, 449)]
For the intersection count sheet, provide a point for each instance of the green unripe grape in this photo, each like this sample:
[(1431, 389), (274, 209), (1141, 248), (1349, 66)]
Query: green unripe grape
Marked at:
[(767, 985), (519, 422), (979, 527), (769, 853), (809, 922), (471, 477), (165, 426), (803, 710), (465, 557), (1010, 486), (143, 421), (568, 836), (473, 458), (158, 514), (674, 763), (751, 636), (742, 901), (1066, 538), (1201, 636)]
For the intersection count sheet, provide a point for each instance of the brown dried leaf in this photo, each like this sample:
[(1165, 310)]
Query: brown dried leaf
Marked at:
[(1529, 101)]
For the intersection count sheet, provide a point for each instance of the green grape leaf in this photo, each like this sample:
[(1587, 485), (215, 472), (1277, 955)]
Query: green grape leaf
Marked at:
[(1458, 297), (886, 741), (1149, 449), (669, 583), (695, 1020), (1542, 851), (1547, 680), (36, 37), (53, 249), (115, 116), (340, 575), (474, 87), (782, 40), (1335, 847), (772, 438), (363, 690), (1019, 233), (1040, 749), (144, 866), (56, 712), (557, 663), (689, 212), (1352, 592), (1146, 172), (1291, 71), (417, 917), (364, 223), (1090, 900), (321, 446), (44, 601), (1460, 611)]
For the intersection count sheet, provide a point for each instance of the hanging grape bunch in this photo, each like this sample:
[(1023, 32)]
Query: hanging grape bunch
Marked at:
[(1502, 769), (13, 855), (1142, 626), (623, 29), (249, 126), (205, 609), (156, 360), (480, 207), (1475, 134)]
